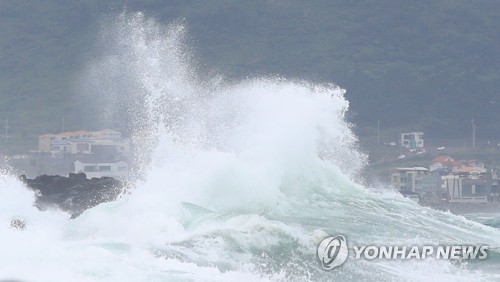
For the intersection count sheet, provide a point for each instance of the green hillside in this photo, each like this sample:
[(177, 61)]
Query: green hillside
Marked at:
[(429, 65)]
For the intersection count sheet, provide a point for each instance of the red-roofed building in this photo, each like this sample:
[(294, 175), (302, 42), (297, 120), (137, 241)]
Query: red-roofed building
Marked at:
[(448, 163)]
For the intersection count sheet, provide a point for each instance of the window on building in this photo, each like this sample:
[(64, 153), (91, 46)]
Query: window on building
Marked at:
[(104, 168), (90, 168), (467, 190), (81, 147), (480, 190)]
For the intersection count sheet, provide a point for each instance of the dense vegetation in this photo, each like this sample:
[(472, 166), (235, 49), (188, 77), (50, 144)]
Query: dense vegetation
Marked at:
[(429, 65)]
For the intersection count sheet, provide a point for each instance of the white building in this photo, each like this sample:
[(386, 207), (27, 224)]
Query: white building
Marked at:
[(405, 178), (117, 170), (412, 140), (469, 187), (417, 181), (84, 143)]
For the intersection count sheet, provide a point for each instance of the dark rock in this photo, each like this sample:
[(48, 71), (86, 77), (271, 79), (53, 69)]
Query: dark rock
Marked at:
[(18, 224), (75, 193)]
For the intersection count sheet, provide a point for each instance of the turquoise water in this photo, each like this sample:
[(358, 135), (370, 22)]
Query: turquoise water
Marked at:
[(489, 219)]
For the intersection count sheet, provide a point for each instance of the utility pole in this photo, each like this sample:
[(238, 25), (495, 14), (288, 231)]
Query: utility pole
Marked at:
[(473, 134), (63, 124), (6, 130), (378, 131)]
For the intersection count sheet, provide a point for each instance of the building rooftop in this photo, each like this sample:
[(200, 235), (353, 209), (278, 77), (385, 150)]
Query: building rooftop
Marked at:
[(59, 142), (83, 132), (99, 162), (442, 159), (469, 169), (412, 169)]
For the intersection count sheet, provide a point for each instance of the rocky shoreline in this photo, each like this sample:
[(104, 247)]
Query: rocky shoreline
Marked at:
[(73, 194), (76, 193)]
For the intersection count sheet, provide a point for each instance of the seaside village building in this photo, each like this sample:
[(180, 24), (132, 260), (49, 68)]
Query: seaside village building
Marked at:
[(100, 169), (95, 153), (413, 140), (447, 180), (469, 186), (84, 143), (418, 184), (446, 164)]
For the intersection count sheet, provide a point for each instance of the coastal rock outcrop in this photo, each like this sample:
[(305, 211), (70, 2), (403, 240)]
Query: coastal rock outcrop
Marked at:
[(75, 193), (18, 223)]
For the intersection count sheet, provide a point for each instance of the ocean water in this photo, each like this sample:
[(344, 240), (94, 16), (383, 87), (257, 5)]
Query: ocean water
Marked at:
[(490, 219), (236, 181)]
